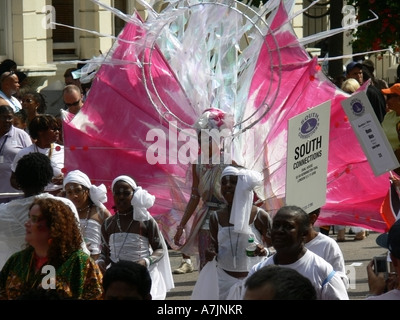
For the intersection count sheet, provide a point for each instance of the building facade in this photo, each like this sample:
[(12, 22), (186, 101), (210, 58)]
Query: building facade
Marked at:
[(44, 51)]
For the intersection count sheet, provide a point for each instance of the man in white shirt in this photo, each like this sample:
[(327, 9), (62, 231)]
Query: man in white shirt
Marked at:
[(326, 248), (290, 228)]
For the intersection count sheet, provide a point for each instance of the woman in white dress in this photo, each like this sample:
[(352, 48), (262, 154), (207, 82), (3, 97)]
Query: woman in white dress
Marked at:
[(230, 229), (133, 234), (88, 200)]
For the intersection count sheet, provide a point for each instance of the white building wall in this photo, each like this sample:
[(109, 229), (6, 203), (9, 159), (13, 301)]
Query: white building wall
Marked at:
[(31, 46)]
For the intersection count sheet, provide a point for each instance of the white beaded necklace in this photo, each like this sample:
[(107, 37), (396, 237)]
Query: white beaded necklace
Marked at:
[(83, 229), (120, 230)]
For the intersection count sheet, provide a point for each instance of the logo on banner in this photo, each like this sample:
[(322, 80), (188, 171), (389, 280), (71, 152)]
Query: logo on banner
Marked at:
[(309, 125), (357, 107)]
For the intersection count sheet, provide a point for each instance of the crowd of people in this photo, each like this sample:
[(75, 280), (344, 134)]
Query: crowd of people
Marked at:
[(59, 241)]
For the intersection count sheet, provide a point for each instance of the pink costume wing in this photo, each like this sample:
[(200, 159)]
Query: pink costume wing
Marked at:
[(108, 137), (354, 194), (161, 89)]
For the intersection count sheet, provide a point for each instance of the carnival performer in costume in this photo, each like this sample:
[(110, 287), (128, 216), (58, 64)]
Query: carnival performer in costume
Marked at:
[(230, 229), (88, 200), (54, 240), (133, 234), (206, 174)]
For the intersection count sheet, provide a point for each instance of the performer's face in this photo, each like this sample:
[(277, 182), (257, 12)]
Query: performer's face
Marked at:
[(123, 194), (77, 194), (228, 187)]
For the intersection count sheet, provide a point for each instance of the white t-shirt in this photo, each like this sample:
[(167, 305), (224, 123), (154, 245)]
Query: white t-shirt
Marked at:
[(328, 284), (13, 102), (10, 144), (327, 248)]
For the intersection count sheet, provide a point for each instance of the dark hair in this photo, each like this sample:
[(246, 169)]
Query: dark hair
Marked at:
[(39, 98), (42, 122), (287, 283), (7, 65), (33, 172), (21, 76), (316, 212), (5, 108), (21, 114), (131, 273), (68, 72), (367, 74), (302, 217), (369, 64)]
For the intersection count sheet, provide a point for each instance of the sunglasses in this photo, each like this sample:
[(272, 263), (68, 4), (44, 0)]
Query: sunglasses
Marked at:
[(72, 104), (74, 191)]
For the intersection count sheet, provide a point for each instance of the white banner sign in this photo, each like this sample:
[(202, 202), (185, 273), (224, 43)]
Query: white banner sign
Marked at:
[(370, 134), (307, 158)]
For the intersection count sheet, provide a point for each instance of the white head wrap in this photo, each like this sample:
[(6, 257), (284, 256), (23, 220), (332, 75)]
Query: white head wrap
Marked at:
[(141, 200), (98, 194), (243, 198)]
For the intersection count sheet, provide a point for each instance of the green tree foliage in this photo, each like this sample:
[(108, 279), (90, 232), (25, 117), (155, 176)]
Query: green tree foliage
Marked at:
[(381, 33)]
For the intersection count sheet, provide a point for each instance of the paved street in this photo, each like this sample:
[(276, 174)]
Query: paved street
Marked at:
[(357, 254)]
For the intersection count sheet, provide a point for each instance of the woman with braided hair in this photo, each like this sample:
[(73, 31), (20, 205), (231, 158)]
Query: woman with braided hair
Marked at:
[(88, 200)]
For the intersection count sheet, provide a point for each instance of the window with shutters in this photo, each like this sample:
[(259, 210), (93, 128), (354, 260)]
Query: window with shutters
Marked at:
[(63, 37)]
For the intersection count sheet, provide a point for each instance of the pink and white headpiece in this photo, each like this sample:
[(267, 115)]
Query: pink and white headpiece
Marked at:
[(213, 118)]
